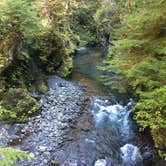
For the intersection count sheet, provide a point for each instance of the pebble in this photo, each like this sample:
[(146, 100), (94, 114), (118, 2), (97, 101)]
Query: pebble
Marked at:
[(32, 155), (100, 162), (42, 148), (61, 107)]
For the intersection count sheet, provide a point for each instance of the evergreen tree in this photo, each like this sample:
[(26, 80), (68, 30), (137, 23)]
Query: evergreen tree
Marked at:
[(138, 59)]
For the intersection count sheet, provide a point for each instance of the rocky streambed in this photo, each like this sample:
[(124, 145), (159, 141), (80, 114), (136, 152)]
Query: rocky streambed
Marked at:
[(44, 134), (82, 125)]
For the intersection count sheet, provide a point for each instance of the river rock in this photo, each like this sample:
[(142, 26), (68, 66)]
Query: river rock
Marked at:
[(4, 135), (147, 158), (61, 107), (85, 129), (71, 162), (100, 162), (42, 148)]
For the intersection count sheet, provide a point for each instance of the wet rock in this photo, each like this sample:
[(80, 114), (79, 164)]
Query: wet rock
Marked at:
[(147, 158), (32, 155), (130, 104), (55, 163), (85, 129), (4, 135), (14, 140), (147, 155), (61, 107), (100, 162), (45, 161), (42, 148), (71, 162), (89, 141)]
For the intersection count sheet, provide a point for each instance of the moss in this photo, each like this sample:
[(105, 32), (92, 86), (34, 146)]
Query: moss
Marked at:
[(159, 136), (66, 67), (42, 87), (17, 106), (19, 75)]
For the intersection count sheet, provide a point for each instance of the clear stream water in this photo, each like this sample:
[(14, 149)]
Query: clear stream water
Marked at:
[(104, 133)]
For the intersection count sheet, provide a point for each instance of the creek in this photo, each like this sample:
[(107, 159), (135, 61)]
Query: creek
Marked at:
[(105, 134), (82, 123)]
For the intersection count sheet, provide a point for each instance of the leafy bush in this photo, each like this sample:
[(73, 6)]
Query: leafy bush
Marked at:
[(18, 106), (137, 61), (151, 112), (18, 17)]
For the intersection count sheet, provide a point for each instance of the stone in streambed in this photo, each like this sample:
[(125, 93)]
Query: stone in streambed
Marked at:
[(100, 162), (42, 148), (85, 129)]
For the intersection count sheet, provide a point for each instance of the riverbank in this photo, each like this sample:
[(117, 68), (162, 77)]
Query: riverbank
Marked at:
[(44, 134), (81, 124)]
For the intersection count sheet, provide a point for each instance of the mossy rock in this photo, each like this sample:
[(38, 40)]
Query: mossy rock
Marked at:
[(17, 106), (42, 87)]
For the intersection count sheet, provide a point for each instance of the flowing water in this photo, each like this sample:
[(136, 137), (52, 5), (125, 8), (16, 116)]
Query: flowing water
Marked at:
[(104, 134)]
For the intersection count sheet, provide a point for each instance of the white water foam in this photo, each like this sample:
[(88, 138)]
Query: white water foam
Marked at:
[(131, 155), (117, 114)]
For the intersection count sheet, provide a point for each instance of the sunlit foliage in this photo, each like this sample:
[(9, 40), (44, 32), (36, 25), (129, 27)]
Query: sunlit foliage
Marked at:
[(137, 61)]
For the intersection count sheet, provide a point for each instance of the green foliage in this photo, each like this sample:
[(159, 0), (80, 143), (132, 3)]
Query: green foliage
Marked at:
[(103, 22), (84, 24), (52, 52), (137, 61), (17, 106), (152, 106), (59, 42), (151, 112), (41, 86), (18, 17), (20, 29), (21, 75), (10, 156), (66, 67)]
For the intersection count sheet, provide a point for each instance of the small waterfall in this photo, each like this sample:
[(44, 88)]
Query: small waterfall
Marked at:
[(117, 114), (114, 120), (106, 138), (131, 155)]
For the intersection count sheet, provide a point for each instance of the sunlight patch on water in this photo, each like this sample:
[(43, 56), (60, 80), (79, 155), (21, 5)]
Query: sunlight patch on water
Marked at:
[(83, 48)]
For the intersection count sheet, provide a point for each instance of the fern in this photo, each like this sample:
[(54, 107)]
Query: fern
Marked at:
[(10, 156)]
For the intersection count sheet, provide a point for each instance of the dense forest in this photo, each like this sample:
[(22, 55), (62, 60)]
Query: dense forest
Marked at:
[(40, 38)]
